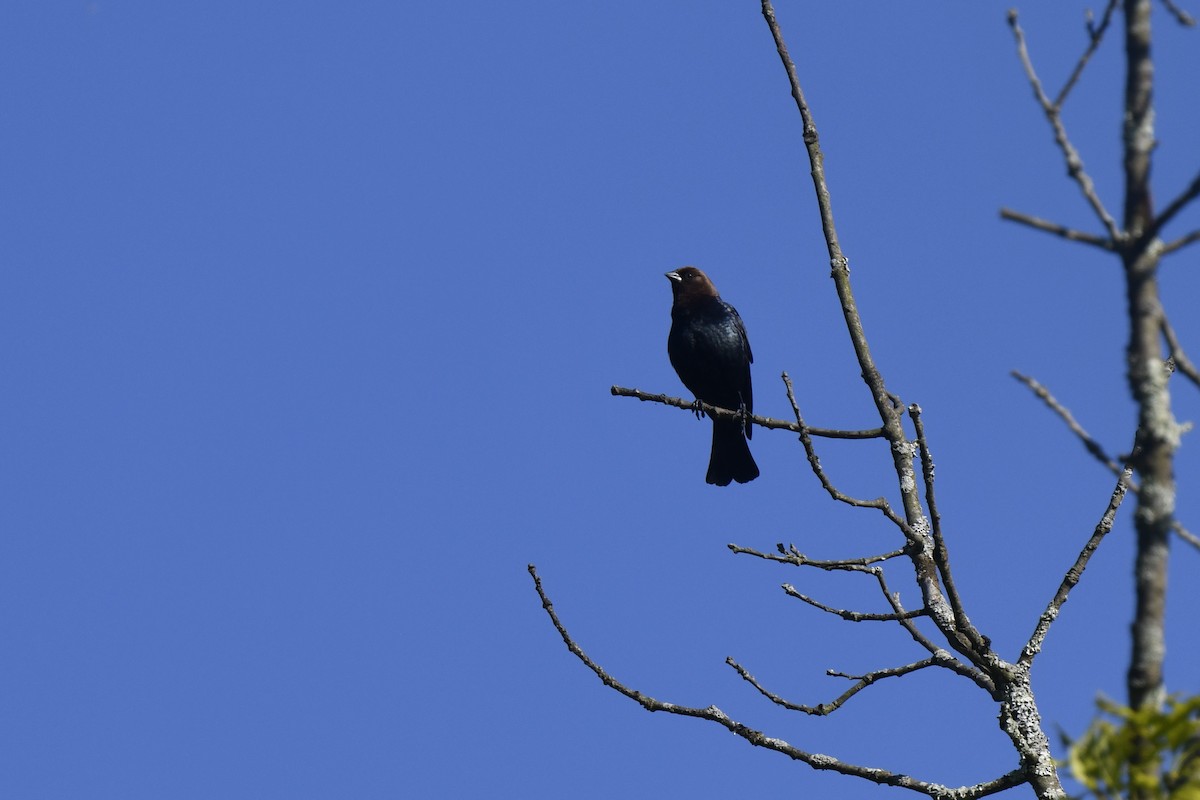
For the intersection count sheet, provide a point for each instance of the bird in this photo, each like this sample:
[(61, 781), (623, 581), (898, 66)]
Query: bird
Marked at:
[(711, 354)]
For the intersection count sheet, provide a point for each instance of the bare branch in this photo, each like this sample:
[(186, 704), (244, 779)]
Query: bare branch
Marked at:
[(758, 739), (790, 555), (914, 525), (854, 616), (927, 471), (839, 264), (1182, 17), (1186, 535), (1181, 242), (863, 681), (1075, 168), (893, 598), (1175, 206), (1182, 362), (1034, 645), (815, 462), (941, 555), (793, 556), (725, 413), (1095, 34), (1089, 443), (1095, 448), (1058, 230)]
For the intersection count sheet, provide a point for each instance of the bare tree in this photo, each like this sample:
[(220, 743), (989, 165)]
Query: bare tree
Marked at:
[(950, 641), (1137, 242)]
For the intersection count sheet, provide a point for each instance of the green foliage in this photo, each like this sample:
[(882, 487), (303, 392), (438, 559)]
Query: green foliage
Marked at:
[(1149, 753)]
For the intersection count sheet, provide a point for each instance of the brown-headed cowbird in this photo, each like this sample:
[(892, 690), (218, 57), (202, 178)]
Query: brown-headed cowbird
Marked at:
[(710, 352)]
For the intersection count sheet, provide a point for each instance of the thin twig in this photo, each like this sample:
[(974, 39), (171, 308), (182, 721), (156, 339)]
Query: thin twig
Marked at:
[(838, 262), (893, 600), (815, 462), (1034, 645), (853, 616), (1185, 534), (1095, 34), (791, 555), (1175, 206), (941, 555), (977, 676), (725, 413), (1058, 230), (1181, 16), (815, 760), (794, 557), (1089, 443), (1075, 166), (1095, 447), (1182, 362), (863, 681), (1181, 242)]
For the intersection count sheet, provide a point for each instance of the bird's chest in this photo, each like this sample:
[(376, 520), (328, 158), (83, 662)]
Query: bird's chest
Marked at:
[(708, 339)]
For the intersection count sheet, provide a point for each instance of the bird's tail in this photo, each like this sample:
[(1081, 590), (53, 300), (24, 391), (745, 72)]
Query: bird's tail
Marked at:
[(730, 459)]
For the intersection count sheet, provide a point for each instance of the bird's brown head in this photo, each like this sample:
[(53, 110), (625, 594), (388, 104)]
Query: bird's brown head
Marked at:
[(690, 285)]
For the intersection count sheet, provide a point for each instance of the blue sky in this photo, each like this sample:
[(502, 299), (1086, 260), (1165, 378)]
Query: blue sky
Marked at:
[(309, 320)]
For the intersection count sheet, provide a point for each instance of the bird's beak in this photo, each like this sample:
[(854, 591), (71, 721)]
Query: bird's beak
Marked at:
[(674, 276)]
